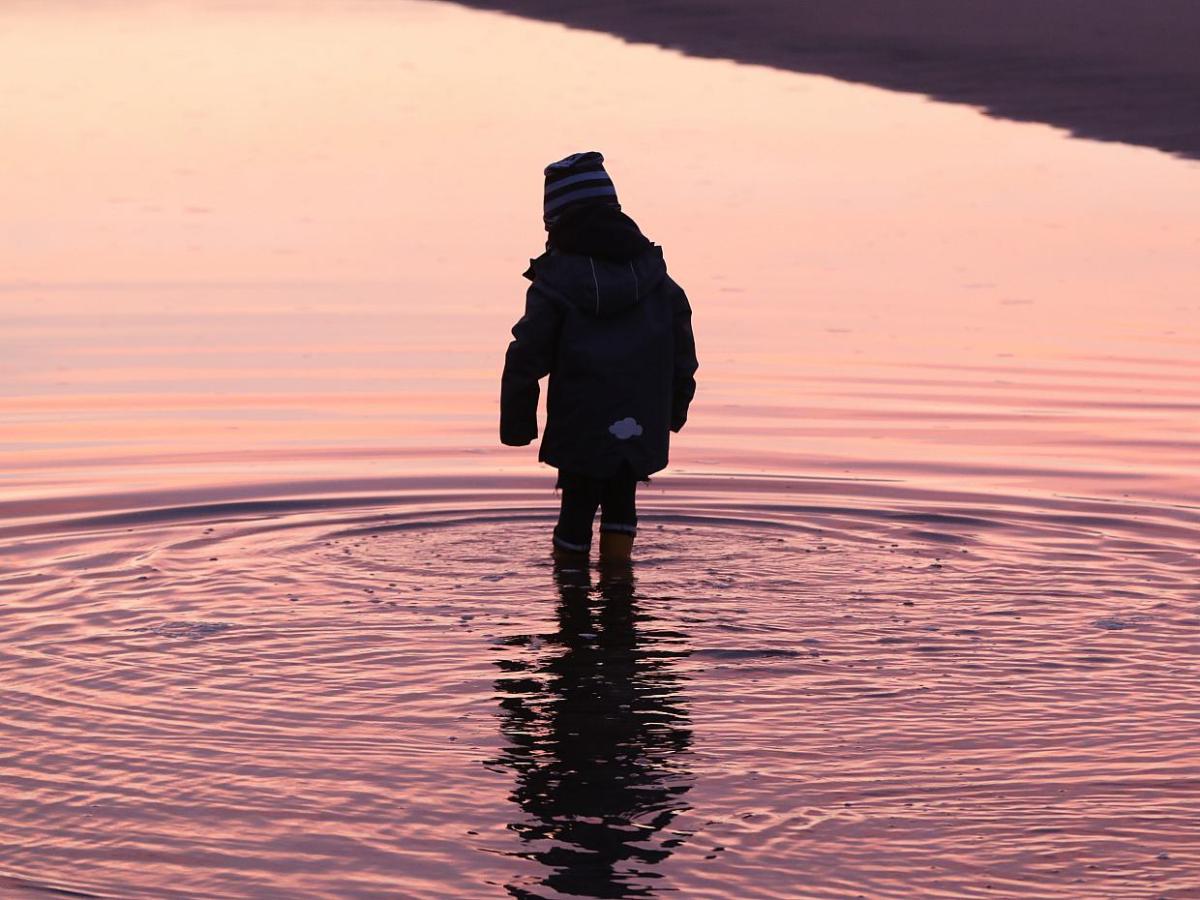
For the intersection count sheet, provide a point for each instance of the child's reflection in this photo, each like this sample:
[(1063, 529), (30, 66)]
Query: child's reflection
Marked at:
[(596, 728)]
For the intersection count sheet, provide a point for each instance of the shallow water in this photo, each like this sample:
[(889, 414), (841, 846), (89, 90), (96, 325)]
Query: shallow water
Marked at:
[(914, 610), (806, 688)]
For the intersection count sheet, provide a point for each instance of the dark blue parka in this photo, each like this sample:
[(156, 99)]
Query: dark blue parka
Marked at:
[(615, 337)]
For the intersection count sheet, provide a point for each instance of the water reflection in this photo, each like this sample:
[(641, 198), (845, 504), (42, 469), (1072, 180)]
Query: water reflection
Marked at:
[(597, 730)]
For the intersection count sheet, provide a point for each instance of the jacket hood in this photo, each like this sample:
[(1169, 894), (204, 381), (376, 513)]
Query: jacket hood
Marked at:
[(598, 230), (600, 287)]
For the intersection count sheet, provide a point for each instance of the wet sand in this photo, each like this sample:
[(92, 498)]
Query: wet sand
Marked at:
[(1114, 70)]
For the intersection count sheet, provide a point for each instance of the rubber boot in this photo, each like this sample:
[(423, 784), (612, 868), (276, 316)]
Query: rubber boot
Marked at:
[(570, 557), (616, 546)]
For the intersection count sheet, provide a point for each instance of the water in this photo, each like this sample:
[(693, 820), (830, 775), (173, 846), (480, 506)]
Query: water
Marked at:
[(914, 610)]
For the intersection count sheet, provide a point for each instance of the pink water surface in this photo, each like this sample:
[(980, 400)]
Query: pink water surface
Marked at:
[(914, 610)]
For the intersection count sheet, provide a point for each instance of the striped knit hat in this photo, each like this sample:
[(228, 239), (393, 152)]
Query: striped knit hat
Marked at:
[(574, 181)]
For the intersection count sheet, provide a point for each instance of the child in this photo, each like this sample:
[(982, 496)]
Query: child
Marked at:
[(613, 331)]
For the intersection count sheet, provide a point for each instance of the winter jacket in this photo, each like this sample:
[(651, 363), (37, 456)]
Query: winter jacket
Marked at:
[(616, 340)]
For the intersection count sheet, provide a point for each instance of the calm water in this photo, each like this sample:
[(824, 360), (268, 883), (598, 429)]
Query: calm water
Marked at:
[(914, 611)]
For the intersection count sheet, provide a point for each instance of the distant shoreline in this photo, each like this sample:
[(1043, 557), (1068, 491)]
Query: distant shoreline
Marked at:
[(1114, 70)]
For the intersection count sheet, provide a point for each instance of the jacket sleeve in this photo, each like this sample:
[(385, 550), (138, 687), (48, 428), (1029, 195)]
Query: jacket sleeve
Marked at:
[(684, 382), (530, 357)]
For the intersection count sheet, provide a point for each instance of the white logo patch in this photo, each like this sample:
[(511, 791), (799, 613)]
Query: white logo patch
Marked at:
[(625, 428)]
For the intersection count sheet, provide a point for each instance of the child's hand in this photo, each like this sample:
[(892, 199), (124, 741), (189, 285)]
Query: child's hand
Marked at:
[(516, 436)]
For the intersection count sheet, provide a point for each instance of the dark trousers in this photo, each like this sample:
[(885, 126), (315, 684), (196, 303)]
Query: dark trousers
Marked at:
[(615, 497)]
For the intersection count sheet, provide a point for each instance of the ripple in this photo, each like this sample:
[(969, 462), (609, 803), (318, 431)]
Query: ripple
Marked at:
[(192, 630), (334, 694)]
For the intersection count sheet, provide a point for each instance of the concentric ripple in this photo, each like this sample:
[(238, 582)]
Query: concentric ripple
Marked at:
[(396, 693)]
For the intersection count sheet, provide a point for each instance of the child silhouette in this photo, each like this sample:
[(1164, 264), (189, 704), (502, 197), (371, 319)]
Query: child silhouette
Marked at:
[(613, 331)]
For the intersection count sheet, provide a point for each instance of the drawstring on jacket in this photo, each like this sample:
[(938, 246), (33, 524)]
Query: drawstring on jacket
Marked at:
[(596, 282)]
